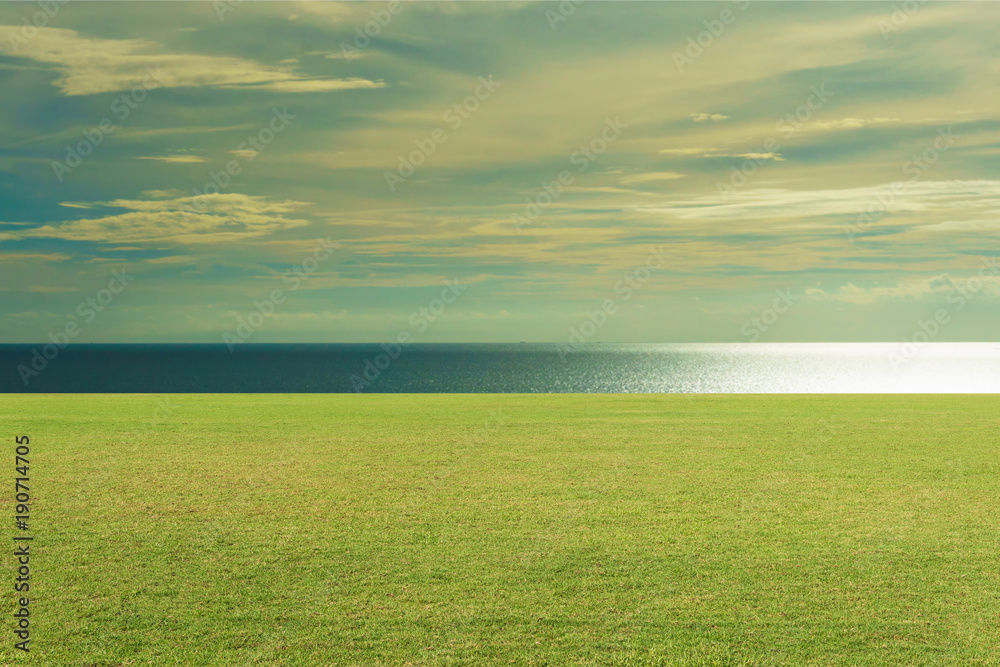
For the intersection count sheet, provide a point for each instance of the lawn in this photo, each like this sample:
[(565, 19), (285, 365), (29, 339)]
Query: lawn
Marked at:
[(509, 529)]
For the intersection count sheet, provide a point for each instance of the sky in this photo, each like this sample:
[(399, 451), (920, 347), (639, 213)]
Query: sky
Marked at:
[(499, 172)]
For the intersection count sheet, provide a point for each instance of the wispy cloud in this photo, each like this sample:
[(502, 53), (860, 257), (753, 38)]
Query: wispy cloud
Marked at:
[(91, 65), (221, 218), (909, 289), (761, 156), (852, 123), (177, 159), (651, 176), (774, 203), (702, 117), (717, 152), (687, 151), (33, 256)]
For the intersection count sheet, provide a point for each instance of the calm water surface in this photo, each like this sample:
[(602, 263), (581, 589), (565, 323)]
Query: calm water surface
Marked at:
[(713, 368)]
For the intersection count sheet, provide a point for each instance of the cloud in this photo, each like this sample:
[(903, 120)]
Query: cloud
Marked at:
[(171, 259), (134, 134), (852, 123), (35, 257), (177, 159), (760, 156), (911, 289), (334, 12), (715, 152), (150, 194), (982, 226), (43, 289), (774, 203), (701, 152), (313, 85), (90, 65), (651, 176), (219, 218), (702, 117)]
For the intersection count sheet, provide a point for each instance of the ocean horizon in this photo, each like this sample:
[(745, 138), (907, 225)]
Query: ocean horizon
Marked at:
[(503, 368)]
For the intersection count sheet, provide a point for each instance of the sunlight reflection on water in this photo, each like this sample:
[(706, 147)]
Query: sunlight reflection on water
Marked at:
[(473, 368)]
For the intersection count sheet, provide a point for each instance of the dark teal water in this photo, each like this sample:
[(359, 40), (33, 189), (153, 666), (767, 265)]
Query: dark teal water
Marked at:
[(723, 368)]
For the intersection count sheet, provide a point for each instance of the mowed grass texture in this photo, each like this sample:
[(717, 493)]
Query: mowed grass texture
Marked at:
[(510, 529)]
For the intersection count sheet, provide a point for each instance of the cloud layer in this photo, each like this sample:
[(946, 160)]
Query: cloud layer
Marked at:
[(205, 219), (800, 150), (88, 66)]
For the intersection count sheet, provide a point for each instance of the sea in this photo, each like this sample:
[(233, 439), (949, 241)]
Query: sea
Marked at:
[(522, 368)]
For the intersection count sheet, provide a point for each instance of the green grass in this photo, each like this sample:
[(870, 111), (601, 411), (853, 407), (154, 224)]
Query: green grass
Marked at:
[(511, 529)]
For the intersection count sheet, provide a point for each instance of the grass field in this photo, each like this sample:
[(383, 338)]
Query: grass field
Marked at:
[(510, 529)]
